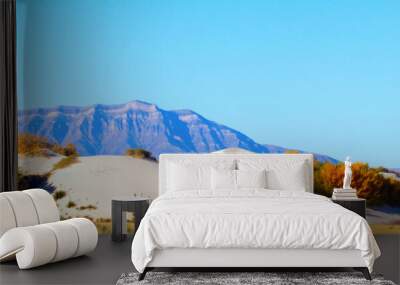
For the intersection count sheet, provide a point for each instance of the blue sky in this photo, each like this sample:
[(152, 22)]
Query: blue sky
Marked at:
[(322, 76)]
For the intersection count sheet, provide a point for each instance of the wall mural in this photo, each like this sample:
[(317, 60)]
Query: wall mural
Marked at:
[(84, 153)]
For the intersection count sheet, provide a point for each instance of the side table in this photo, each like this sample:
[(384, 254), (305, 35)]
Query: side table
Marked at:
[(119, 206), (357, 205)]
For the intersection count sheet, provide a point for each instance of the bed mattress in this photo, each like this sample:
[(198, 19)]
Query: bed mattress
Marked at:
[(250, 219)]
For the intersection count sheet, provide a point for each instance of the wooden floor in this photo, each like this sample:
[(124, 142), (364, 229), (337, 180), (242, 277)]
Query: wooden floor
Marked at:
[(110, 259)]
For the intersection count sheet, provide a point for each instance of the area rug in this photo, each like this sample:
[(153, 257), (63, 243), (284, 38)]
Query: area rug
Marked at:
[(269, 278)]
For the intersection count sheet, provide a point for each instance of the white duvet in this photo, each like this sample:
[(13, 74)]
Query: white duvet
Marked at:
[(250, 219)]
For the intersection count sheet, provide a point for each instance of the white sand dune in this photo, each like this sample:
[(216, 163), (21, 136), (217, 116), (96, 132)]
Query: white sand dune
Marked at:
[(37, 164), (94, 180)]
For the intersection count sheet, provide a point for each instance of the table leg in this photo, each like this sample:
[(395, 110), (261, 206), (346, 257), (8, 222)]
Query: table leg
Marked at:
[(124, 225), (117, 220)]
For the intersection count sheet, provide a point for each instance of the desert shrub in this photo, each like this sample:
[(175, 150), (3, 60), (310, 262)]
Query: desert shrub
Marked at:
[(71, 204), (139, 153), (326, 177), (65, 162), (368, 181), (56, 148), (33, 145), (88, 207), (104, 226), (70, 150), (292, 151), (58, 195), (103, 220)]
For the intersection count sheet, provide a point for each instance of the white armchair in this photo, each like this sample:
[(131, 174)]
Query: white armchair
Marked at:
[(31, 230)]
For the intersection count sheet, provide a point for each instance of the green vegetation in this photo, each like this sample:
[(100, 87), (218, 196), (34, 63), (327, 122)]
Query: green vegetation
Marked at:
[(139, 153), (368, 181)]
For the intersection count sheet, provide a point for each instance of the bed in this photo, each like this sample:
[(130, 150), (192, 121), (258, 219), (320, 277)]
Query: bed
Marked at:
[(247, 210)]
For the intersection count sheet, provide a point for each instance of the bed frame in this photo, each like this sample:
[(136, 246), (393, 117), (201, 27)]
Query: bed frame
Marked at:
[(245, 258)]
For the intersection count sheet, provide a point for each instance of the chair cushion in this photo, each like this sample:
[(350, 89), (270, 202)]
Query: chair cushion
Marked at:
[(26, 208), (23, 208), (46, 207), (67, 240), (32, 246), (7, 220), (87, 233), (40, 244)]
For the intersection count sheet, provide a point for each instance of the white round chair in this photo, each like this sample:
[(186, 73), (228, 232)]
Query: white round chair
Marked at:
[(31, 230)]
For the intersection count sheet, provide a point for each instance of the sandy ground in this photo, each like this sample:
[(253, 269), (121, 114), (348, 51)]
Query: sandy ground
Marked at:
[(94, 180), (37, 164)]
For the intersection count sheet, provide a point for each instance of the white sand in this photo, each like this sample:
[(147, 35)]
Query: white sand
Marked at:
[(37, 164), (96, 179)]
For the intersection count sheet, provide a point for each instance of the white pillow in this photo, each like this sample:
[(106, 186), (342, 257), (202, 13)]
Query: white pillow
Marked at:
[(184, 177), (281, 174), (295, 178), (187, 174), (223, 179), (292, 178), (251, 178)]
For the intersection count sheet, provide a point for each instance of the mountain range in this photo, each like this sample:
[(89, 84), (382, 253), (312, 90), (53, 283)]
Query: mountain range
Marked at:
[(112, 129)]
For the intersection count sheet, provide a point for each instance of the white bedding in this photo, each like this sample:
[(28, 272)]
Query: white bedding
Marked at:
[(250, 218)]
